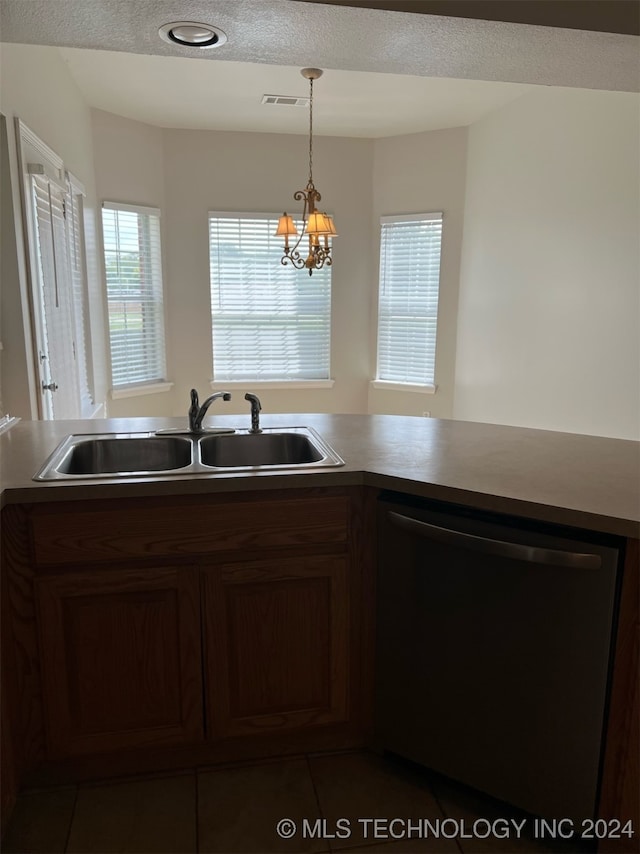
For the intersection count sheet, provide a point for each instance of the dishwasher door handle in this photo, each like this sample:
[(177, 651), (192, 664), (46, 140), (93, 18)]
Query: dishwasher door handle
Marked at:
[(499, 548)]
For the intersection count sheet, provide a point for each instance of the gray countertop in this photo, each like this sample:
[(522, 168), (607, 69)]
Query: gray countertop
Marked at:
[(583, 481)]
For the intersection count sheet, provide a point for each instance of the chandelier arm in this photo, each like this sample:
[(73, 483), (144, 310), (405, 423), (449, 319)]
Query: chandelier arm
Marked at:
[(295, 260), (299, 195)]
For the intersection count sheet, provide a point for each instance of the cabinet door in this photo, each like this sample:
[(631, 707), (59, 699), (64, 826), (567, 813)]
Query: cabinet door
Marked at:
[(276, 645), (120, 659)]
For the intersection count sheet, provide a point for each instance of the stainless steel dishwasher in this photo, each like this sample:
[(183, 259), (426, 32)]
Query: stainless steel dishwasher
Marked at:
[(493, 646)]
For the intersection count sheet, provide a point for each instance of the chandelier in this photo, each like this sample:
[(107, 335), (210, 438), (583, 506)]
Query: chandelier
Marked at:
[(318, 226)]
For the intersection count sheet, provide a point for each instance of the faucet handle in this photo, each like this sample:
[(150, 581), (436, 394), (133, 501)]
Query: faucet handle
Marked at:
[(194, 397)]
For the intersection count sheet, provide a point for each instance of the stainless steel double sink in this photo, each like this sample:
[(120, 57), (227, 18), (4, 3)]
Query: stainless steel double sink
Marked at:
[(113, 455)]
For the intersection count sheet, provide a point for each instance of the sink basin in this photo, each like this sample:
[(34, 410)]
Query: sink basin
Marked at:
[(95, 456), (259, 449), (114, 454)]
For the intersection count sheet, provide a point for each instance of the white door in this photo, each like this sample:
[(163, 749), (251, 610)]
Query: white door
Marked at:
[(49, 231), (57, 350)]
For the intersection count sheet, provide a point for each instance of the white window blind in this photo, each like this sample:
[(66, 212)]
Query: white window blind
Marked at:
[(269, 322), (408, 298), (133, 264), (75, 230)]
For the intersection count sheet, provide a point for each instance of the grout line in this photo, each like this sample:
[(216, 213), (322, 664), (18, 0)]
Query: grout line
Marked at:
[(247, 762), (317, 796), (71, 820), (436, 798), (145, 777), (313, 783)]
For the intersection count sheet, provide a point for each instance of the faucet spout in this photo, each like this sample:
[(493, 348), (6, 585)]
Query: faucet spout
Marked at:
[(197, 412)]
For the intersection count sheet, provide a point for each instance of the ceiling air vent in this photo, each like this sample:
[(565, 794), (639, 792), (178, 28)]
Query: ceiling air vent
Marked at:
[(285, 100)]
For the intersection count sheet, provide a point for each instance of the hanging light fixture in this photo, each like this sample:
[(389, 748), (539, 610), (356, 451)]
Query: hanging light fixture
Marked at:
[(318, 226)]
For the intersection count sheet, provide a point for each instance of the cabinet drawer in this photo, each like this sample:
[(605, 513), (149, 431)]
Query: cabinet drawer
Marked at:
[(144, 529)]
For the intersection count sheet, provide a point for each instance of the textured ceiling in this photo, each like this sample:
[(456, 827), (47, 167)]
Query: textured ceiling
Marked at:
[(281, 32)]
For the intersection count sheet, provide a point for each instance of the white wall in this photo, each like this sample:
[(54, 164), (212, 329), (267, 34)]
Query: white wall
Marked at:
[(38, 89), (129, 168), (188, 173), (191, 172), (129, 160), (548, 318), (548, 327), (420, 173)]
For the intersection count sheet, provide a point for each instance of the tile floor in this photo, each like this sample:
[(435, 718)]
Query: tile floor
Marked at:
[(236, 809)]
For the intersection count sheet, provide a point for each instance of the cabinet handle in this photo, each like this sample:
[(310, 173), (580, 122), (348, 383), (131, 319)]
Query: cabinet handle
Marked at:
[(499, 548)]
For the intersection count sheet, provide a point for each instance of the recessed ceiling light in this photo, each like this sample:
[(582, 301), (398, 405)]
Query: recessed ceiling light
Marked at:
[(192, 34)]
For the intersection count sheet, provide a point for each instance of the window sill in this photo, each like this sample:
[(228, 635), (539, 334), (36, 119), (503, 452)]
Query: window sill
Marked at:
[(136, 390), (389, 386), (92, 410), (220, 385), (7, 422)]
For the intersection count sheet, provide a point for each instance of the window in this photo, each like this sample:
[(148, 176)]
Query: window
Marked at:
[(133, 267), (269, 322), (408, 299)]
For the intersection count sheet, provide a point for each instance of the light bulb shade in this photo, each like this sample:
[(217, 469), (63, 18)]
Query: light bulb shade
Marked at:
[(318, 223), (332, 227), (286, 226)]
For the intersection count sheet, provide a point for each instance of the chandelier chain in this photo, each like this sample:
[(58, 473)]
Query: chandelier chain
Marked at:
[(311, 130)]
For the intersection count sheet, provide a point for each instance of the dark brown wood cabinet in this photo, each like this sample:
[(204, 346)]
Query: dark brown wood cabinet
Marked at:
[(8, 781), (276, 645), (620, 790), (166, 632), (120, 656), (8, 774)]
